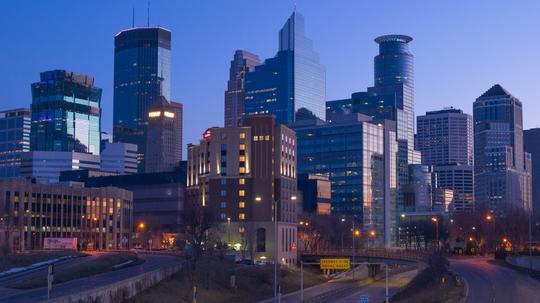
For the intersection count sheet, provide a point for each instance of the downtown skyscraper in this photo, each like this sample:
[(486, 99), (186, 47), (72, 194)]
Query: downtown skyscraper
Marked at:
[(502, 170), (142, 74), (291, 80), (242, 63), (445, 139)]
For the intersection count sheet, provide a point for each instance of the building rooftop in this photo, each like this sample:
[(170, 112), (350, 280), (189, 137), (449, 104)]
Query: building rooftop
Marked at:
[(393, 38), (494, 91)]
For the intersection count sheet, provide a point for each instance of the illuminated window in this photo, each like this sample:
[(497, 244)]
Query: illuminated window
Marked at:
[(242, 181), (241, 204), (242, 159), (242, 135), (241, 216), (168, 114), (241, 229), (241, 193), (242, 147), (154, 114), (242, 170), (255, 138), (267, 138)]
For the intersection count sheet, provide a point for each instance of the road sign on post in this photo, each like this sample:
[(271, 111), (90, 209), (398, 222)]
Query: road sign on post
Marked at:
[(344, 264), (364, 299)]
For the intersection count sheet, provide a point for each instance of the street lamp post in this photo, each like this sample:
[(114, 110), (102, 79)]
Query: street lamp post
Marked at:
[(436, 221)]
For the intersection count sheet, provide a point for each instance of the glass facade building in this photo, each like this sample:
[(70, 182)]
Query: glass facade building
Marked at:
[(502, 170), (14, 140), (142, 73), (65, 113), (351, 150), (243, 63), (292, 80)]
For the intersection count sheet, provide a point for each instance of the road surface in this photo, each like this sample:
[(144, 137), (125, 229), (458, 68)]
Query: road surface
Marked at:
[(488, 282), (152, 262)]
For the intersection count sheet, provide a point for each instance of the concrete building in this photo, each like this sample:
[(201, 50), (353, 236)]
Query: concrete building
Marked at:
[(14, 140), (100, 218), (158, 199), (119, 157), (163, 136), (445, 139), (242, 63), (502, 171), (45, 166), (244, 175)]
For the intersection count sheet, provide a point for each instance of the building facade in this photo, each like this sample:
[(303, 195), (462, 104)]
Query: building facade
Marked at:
[(46, 166), (316, 193), (445, 139), (14, 140), (292, 80), (502, 171), (142, 73), (245, 176), (119, 157), (98, 218), (242, 63), (360, 159), (163, 137), (531, 138), (65, 113)]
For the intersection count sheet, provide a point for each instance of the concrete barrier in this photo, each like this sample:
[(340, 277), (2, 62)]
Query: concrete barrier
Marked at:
[(122, 290), (525, 261)]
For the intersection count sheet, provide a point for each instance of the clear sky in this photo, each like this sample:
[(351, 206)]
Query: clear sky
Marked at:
[(461, 48)]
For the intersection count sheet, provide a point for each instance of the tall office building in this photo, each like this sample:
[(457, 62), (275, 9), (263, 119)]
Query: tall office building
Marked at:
[(163, 137), (502, 171), (46, 166), (142, 73), (360, 158), (14, 140), (391, 98), (531, 142), (65, 113), (445, 139), (243, 63), (242, 174), (292, 80)]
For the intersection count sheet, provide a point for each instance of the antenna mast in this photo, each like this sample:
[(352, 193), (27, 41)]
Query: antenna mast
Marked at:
[(148, 15), (133, 17)]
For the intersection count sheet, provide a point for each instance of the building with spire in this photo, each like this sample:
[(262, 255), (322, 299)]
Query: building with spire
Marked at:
[(291, 80), (242, 63), (502, 169)]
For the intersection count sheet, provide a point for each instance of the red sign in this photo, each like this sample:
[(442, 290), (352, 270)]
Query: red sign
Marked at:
[(293, 246)]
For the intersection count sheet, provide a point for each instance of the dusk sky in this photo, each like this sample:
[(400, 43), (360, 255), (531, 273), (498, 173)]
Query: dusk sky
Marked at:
[(461, 48)]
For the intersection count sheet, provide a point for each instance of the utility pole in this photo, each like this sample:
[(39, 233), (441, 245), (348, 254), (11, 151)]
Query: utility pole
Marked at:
[(353, 248)]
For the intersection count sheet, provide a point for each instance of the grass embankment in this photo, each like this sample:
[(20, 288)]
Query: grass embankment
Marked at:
[(433, 285), (100, 264), (212, 276), (28, 258)]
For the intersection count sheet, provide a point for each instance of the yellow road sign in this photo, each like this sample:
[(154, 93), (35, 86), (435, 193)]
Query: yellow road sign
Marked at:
[(336, 264)]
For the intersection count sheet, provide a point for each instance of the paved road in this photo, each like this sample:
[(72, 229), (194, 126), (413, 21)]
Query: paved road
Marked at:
[(376, 292), (152, 262), (489, 282)]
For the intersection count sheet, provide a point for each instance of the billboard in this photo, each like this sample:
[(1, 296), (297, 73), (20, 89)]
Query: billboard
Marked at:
[(60, 243)]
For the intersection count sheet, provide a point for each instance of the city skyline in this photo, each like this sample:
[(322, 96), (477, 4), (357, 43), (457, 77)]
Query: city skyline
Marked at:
[(347, 60)]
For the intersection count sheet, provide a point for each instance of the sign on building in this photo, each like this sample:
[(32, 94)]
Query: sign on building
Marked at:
[(343, 263), (60, 243)]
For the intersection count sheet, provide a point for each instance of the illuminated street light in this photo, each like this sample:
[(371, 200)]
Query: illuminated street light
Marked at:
[(403, 215), (471, 239), (258, 199), (141, 225), (372, 233), (357, 233), (293, 198), (489, 217)]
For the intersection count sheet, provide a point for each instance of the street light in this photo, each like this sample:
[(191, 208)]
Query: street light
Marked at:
[(436, 221)]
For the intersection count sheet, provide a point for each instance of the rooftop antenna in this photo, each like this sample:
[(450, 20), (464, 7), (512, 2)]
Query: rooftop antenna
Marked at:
[(133, 17), (148, 15)]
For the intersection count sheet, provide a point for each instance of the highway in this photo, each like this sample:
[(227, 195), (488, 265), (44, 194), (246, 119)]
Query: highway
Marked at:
[(152, 262), (488, 282)]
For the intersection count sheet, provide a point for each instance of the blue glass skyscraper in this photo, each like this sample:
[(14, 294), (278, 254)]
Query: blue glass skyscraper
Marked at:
[(142, 73), (65, 113), (292, 80)]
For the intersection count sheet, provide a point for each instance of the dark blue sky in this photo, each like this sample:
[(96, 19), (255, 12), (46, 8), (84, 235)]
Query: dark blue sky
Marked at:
[(461, 48)]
